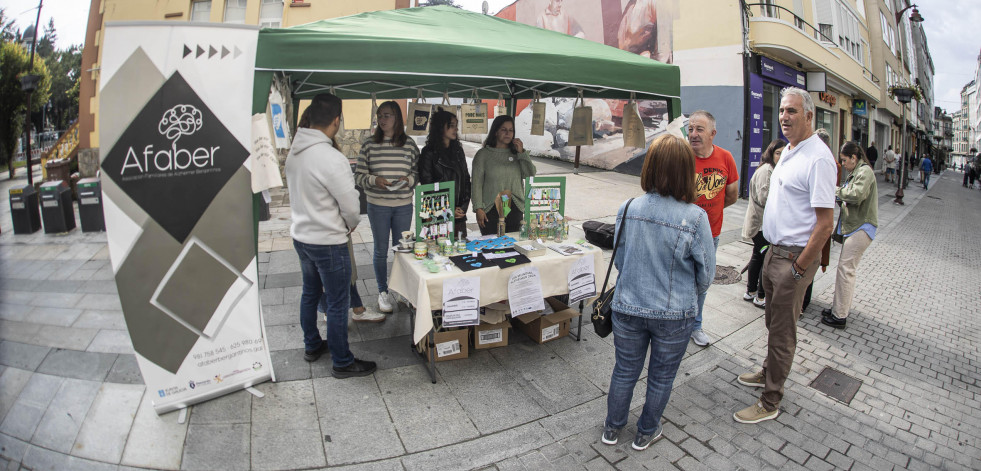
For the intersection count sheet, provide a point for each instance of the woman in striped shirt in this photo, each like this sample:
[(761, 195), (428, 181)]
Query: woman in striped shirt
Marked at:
[(387, 171)]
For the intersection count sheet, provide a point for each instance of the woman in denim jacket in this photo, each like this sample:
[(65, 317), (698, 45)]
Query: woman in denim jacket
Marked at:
[(666, 260)]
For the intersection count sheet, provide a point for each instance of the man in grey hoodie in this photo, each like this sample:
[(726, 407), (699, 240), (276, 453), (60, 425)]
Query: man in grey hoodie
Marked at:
[(325, 209)]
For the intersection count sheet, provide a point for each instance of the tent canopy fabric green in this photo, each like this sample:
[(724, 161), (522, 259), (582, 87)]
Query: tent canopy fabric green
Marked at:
[(436, 51)]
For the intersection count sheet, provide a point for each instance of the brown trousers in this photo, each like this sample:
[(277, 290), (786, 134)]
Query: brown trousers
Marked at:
[(784, 301)]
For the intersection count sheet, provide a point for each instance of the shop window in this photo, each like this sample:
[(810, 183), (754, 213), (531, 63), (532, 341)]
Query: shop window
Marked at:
[(235, 11), (271, 14), (201, 10), (826, 120)]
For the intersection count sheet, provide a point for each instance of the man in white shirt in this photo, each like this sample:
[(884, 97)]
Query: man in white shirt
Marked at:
[(797, 220), (890, 158)]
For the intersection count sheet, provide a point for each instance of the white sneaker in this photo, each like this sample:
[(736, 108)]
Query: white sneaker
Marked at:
[(749, 296), (701, 338), (384, 302), (367, 316), (760, 303)]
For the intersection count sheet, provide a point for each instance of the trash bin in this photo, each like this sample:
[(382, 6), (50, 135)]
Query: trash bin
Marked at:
[(57, 211), (24, 210), (90, 205)]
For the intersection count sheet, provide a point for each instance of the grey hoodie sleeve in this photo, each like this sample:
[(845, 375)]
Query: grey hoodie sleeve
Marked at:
[(339, 181)]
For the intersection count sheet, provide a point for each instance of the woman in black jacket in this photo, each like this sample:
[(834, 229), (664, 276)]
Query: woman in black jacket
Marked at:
[(443, 160)]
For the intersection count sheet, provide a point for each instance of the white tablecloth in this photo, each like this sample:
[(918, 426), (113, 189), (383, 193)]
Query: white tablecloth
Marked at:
[(424, 290)]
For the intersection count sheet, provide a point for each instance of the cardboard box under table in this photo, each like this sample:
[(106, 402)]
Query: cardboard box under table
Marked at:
[(424, 290), (450, 344), (548, 327), (490, 335)]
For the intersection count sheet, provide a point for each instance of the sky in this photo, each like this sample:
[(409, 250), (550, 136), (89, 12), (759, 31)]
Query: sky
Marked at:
[(947, 24), (70, 17)]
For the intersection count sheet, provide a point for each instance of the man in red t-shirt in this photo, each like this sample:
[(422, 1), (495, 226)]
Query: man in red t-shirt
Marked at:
[(716, 186)]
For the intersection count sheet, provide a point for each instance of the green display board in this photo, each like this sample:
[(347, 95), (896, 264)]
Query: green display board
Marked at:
[(544, 206), (434, 204)]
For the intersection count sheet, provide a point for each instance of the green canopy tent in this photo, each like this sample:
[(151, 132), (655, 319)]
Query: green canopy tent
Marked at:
[(439, 51)]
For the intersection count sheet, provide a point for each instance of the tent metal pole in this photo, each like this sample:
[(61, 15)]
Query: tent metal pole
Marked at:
[(575, 169)]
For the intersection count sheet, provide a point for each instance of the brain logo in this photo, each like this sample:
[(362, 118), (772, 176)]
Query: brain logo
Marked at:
[(179, 121)]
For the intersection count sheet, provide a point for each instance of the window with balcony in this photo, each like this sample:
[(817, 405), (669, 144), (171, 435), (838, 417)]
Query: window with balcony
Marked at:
[(235, 11), (271, 14), (201, 10), (826, 30)]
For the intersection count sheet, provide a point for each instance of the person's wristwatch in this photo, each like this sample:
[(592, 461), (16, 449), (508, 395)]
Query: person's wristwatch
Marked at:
[(793, 268)]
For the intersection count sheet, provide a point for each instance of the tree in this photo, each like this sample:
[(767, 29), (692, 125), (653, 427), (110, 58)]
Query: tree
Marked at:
[(64, 66), (433, 3), (46, 43), (8, 30), (14, 62)]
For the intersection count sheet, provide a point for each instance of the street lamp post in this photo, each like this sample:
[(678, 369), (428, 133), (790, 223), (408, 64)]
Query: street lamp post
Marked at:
[(915, 16), (904, 95), (28, 83)]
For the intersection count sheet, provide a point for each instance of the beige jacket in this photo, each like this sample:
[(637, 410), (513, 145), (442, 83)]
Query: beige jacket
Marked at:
[(759, 189)]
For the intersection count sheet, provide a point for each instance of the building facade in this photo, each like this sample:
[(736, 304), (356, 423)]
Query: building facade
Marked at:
[(263, 13)]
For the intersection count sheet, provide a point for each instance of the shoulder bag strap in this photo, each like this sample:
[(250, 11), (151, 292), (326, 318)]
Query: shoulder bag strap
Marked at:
[(616, 245)]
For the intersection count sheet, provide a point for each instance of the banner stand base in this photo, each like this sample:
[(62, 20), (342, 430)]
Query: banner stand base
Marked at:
[(182, 416), (255, 392), (163, 409)]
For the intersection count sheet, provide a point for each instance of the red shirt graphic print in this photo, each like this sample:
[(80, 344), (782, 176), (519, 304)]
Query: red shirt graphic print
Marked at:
[(712, 174)]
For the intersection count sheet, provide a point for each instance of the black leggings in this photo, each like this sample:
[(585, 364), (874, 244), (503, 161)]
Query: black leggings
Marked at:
[(512, 223), (753, 281)]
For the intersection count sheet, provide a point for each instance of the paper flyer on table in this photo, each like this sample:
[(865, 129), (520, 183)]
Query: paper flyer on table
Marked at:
[(525, 291), (461, 301), (582, 280)]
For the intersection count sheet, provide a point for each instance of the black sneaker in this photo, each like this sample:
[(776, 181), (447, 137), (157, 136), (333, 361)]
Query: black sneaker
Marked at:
[(610, 436), (833, 321), (358, 368), (313, 355), (641, 441)]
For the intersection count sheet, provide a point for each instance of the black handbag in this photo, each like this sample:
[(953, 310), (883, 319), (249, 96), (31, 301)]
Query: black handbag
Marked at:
[(602, 312)]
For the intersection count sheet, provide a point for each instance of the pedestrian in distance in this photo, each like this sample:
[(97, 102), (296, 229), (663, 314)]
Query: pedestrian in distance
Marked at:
[(926, 169), (665, 261), (797, 221), (387, 170), (890, 159), (717, 186), (873, 155), (442, 160), (325, 209), (502, 164), (859, 220), (759, 189)]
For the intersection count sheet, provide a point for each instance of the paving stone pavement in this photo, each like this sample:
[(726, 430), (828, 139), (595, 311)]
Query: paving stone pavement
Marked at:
[(71, 395)]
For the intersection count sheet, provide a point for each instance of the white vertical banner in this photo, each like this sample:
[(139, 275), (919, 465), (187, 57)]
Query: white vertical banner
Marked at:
[(175, 132)]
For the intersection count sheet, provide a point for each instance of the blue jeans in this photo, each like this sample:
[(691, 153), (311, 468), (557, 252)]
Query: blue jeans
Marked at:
[(701, 297), (355, 300), (632, 336), (926, 179), (326, 273), (386, 221)]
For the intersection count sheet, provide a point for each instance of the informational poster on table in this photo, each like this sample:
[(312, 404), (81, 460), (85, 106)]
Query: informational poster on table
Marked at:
[(461, 301), (582, 280), (525, 291), (176, 178)]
